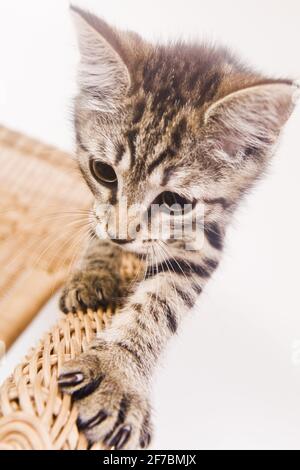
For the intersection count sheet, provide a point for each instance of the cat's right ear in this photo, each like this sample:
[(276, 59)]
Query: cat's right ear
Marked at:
[(103, 75)]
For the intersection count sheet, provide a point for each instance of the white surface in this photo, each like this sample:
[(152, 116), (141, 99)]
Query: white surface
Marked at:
[(232, 378)]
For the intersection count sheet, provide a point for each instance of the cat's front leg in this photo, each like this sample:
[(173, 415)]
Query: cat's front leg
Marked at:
[(110, 382), (111, 393), (97, 283)]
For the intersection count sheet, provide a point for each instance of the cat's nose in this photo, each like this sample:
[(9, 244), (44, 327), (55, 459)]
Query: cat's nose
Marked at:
[(122, 241), (116, 237)]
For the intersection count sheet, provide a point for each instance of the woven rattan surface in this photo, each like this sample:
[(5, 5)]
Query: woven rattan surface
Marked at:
[(34, 414), (37, 183)]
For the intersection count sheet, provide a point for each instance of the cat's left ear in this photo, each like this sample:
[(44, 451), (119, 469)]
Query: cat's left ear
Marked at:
[(103, 76), (248, 122)]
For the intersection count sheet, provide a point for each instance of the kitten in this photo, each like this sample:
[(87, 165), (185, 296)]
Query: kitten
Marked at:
[(182, 124)]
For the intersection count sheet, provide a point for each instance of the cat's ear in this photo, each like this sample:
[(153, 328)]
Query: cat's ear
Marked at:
[(103, 74), (248, 122)]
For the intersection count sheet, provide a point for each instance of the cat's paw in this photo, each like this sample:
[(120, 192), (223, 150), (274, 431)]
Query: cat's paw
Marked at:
[(88, 289), (112, 404)]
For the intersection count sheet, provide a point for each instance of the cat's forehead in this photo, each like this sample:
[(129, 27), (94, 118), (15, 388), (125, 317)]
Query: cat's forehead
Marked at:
[(156, 138), (165, 107)]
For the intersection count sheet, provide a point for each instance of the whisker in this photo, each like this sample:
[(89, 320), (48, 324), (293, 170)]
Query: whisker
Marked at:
[(55, 241), (165, 257), (195, 280)]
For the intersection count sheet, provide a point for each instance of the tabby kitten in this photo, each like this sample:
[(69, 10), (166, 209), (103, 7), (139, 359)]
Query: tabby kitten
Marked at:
[(185, 124)]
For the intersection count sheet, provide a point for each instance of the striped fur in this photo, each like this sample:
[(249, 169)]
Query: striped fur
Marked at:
[(183, 118)]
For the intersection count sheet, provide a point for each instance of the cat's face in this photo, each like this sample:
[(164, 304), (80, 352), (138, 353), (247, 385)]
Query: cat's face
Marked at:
[(182, 130), (124, 170)]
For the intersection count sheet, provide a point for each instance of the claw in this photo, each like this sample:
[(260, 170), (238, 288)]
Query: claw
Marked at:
[(80, 301), (97, 419), (87, 389), (67, 380), (145, 440), (100, 294), (120, 439)]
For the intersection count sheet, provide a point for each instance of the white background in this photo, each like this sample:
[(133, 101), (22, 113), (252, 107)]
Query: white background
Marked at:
[(232, 377)]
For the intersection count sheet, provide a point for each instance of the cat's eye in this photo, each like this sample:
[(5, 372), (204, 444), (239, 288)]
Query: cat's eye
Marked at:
[(103, 173), (174, 203)]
